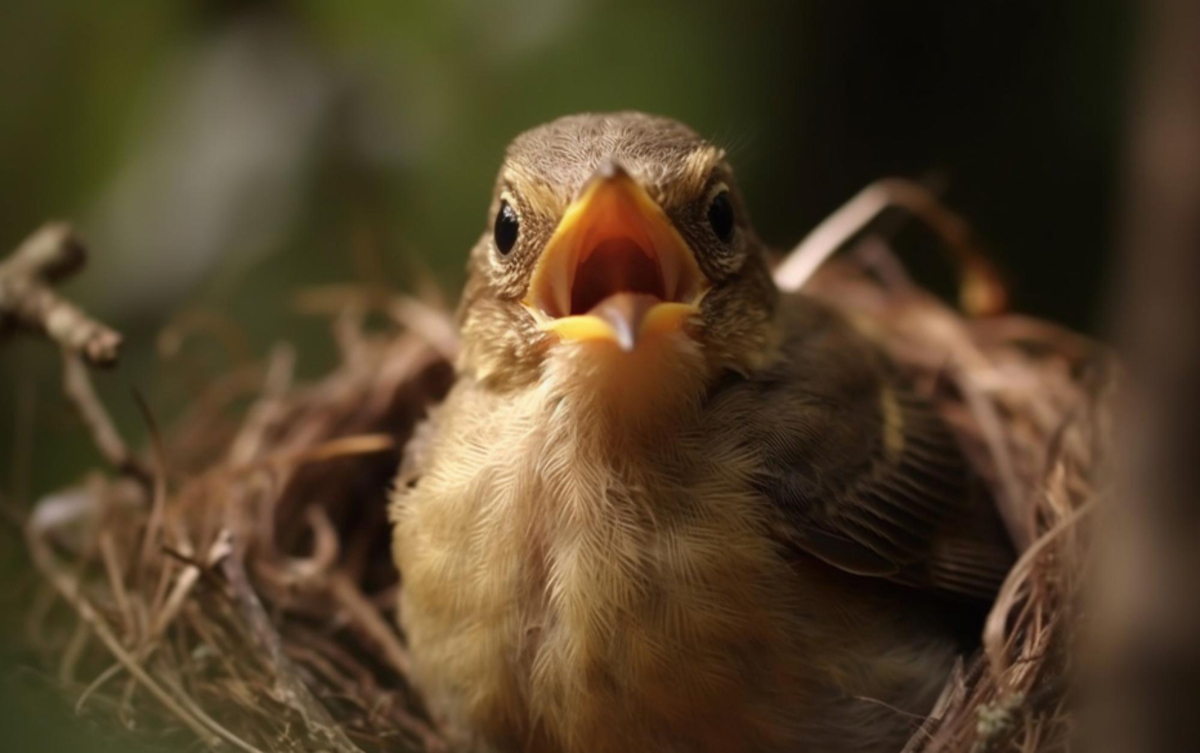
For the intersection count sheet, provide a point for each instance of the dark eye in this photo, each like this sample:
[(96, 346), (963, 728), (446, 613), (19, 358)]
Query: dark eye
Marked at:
[(507, 227), (720, 216)]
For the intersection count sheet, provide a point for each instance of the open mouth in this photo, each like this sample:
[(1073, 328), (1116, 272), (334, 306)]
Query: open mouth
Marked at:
[(615, 269), (616, 265)]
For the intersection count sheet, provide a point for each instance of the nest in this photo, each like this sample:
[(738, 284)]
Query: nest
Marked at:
[(233, 585)]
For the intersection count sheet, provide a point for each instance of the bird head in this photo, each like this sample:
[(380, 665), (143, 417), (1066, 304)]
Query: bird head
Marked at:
[(619, 243)]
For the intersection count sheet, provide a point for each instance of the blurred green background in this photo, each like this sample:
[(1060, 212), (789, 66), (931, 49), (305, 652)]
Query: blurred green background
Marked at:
[(218, 156)]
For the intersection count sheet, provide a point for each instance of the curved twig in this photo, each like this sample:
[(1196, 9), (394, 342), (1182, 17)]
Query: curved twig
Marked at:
[(28, 299)]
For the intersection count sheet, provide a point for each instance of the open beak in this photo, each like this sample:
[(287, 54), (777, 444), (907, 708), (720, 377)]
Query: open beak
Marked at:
[(615, 268)]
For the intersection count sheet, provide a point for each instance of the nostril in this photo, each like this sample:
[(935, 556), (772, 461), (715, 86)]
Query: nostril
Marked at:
[(617, 265)]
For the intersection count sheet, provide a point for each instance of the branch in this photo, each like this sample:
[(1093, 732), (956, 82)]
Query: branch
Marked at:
[(28, 299)]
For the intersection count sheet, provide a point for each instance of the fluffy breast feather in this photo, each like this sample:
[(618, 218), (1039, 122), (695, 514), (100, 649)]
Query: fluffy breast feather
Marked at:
[(577, 579), (559, 580)]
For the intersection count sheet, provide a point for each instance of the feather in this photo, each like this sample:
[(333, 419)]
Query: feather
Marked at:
[(855, 469)]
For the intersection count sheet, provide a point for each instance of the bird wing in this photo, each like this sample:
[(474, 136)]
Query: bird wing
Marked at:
[(858, 471)]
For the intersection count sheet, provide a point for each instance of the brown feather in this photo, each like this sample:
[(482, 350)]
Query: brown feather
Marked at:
[(860, 472)]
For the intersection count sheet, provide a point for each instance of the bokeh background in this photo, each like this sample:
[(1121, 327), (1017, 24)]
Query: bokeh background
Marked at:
[(221, 156)]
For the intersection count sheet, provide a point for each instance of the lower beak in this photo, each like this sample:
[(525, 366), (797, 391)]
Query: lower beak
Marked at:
[(615, 269)]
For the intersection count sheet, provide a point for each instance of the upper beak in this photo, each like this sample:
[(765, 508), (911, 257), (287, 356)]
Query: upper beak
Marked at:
[(615, 268)]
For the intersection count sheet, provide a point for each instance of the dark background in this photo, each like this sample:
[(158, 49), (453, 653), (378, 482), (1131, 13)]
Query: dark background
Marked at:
[(220, 156)]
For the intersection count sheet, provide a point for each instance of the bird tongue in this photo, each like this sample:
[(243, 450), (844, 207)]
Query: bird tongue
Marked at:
[(625, 313)]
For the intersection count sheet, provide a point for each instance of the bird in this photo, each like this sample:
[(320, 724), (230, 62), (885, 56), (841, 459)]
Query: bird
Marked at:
[(666, 506)]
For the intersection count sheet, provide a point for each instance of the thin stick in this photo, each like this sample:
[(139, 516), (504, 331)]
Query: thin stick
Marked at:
[(159, 499), (96, 684), (68, 589), (187, 580), (364, 614), (116, 580), (267, 642), (980, 288), (996, 625), (216, 727), (992, 430), (356, 444), (261, 417), (77, 386), (74, 650)]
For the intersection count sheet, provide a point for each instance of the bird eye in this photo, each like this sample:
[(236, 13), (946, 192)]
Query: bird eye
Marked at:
[(720, 216), (507, 227)]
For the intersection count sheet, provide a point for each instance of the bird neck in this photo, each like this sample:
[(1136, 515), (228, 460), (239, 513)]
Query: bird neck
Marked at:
[(625, 398)]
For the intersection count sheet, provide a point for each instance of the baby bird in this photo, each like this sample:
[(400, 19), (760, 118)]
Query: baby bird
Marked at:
[(665, 507)]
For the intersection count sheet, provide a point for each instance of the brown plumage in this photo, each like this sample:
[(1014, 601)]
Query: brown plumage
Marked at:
[(664, 507)]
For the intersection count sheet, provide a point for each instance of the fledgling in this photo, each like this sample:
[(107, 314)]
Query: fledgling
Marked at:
[(665, 507)]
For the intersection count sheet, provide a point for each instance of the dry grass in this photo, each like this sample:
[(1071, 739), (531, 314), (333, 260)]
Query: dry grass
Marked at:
[(234, 585)]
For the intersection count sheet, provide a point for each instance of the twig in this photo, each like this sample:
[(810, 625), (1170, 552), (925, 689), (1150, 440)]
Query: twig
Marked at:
[(262, 415), (116, 581), (980, 289), (997, 624), (27, 298), (216, 727), (1010, 492), (268, 645), (159, 499), (357, 444), (77, 386), (73, 651), (68, 588), (363, 613), (97, 683), (325, 550), (175, 601)]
